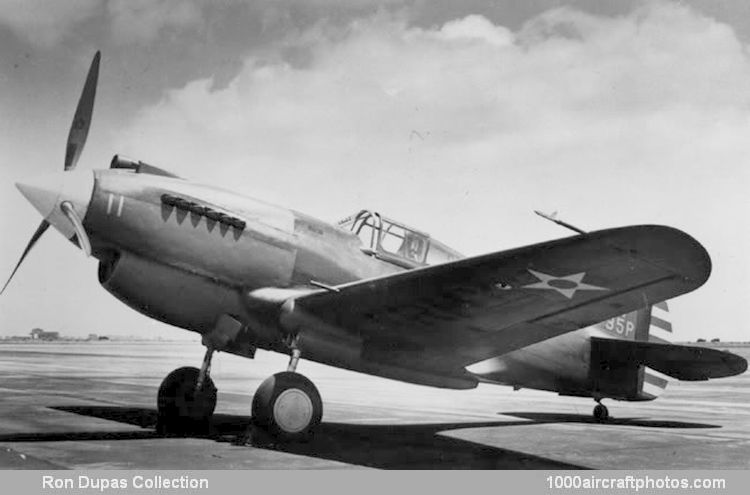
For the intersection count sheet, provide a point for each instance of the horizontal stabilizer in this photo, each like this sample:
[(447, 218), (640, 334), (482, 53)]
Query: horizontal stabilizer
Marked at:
[(683, 362)]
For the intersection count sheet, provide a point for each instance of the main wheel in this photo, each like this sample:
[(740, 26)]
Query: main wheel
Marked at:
[(182, 411), (288, 406), (601, 413)]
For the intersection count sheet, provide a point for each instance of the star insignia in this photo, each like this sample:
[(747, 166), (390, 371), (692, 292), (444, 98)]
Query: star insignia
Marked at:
[(567, 286)]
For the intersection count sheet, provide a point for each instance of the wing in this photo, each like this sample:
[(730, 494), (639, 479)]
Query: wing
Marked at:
[(442, 318)]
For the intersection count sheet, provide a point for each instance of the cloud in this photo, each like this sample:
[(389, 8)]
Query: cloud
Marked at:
[(141, 21), (45, 23), (566, 79), (464, 127), (476, 27), (42, 22)]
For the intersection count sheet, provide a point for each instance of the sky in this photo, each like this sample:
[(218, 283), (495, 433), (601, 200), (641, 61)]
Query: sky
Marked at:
[(459, 118)]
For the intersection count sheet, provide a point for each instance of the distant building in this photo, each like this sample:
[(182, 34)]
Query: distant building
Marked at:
[(39, 334), (93, 336), (715, 340)]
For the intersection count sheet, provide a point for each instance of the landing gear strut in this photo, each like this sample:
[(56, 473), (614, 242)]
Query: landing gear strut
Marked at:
[(601, 413), (287, 405), (186, 400)]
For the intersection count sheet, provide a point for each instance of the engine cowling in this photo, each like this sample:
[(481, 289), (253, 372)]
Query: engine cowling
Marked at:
[(166, 293)]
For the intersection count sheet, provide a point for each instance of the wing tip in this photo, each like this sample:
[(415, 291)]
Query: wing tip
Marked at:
[(696, 265), (672, 248)]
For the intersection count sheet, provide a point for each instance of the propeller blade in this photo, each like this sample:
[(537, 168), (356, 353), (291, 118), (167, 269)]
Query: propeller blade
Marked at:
[(79, 129), (81, 235), (39, 231)]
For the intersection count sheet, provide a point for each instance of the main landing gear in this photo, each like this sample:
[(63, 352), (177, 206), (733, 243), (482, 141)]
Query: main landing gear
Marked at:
[(286, 405), (601, 413)]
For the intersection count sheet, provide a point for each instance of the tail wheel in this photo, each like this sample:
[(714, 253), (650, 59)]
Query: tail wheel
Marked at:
[(288, 406), (182, 410)]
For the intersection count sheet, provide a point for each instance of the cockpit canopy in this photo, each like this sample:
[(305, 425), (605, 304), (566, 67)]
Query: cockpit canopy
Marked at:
[(395, 242)]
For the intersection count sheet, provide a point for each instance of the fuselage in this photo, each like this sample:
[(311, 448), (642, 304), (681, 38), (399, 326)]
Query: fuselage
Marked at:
[(189, 254)]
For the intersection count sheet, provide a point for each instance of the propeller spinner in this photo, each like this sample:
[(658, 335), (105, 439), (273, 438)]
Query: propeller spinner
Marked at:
[(63, 198)]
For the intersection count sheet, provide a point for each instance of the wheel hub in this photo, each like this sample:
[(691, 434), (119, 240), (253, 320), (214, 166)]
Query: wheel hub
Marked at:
[(293, 410)]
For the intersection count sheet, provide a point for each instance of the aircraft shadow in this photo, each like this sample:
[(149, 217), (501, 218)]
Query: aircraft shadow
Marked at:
[(584, 418), (78, 436), (413, 446)]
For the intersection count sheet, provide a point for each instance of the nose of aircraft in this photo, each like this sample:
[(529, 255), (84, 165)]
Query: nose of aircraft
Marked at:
[(46, 193), (42, 192)]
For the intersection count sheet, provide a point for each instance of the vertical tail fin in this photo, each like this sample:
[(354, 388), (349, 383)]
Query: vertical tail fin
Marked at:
[(617, 377), (650, 324), (630, 326)]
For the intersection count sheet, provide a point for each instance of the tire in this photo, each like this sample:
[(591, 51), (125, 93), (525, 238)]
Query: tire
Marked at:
[(601, 413), (288, 406), (180, 410)]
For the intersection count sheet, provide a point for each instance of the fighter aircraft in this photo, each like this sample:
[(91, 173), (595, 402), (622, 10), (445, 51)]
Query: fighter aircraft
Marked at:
[(578, 315)]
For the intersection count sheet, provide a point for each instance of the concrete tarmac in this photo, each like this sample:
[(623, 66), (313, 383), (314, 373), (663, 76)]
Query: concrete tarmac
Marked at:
[(93, 406)]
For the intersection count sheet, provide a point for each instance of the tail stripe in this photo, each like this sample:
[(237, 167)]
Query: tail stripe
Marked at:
[(654, 382), (652, 377), (662, 324), (660, 329), (662, 305)]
